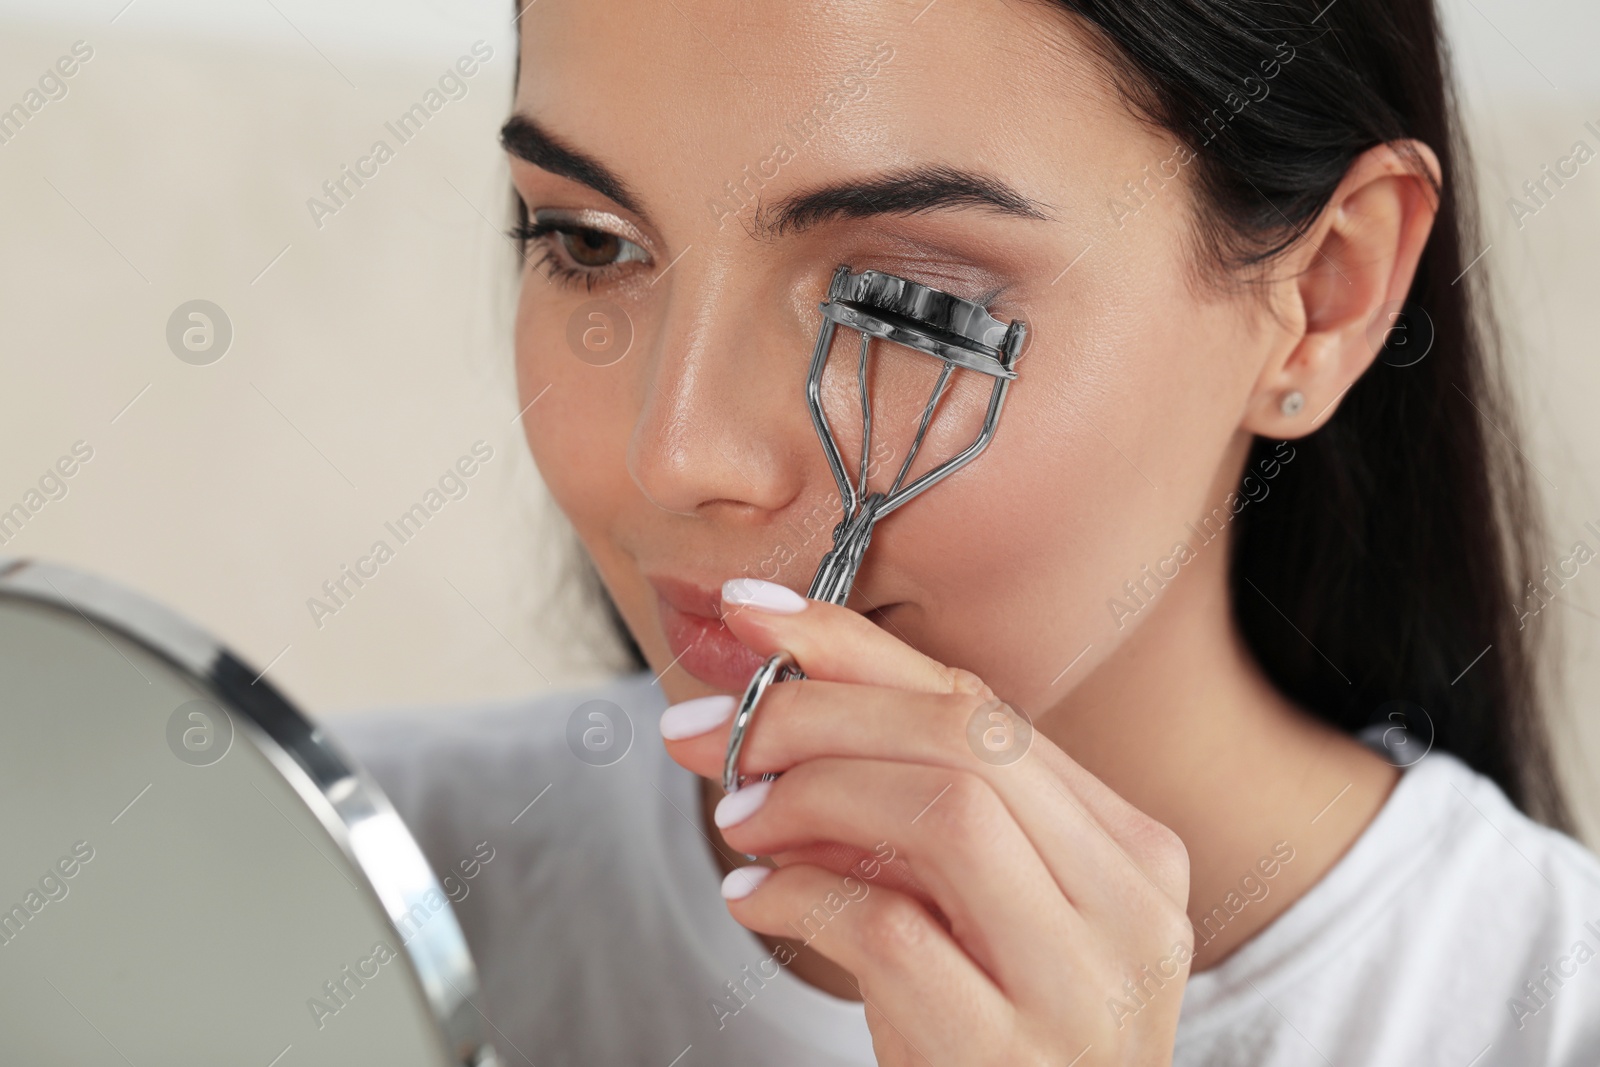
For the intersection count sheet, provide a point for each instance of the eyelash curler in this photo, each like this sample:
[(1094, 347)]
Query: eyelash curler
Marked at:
[(958, 332)]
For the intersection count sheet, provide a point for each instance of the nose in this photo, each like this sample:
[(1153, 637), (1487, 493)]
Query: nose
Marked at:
[(723, 425)]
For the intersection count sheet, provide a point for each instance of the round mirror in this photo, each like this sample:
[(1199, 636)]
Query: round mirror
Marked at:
[(190, 873)]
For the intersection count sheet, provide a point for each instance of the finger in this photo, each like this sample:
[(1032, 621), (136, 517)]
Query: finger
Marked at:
[(1105, 854), (909, 970), (957, 837), (881, 865), (831, 641)]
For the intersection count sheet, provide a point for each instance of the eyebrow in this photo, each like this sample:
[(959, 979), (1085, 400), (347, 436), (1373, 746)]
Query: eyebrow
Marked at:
[(912, 191), (532, 143)]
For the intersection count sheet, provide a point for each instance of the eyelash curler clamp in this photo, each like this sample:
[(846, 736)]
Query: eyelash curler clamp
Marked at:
[(958, 332)]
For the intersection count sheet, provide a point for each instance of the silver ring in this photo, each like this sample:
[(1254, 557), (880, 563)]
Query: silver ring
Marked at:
[(778, 662)]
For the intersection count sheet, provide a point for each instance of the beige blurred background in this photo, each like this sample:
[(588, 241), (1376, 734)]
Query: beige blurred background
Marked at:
[(371, 347)]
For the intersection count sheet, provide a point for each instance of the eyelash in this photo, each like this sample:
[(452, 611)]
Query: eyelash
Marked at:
[(549, 261)]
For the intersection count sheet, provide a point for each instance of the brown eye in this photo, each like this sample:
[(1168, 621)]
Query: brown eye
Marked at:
[(591, 248)]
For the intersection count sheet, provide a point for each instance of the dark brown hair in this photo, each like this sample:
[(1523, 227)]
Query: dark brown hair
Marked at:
[(1387, 561)]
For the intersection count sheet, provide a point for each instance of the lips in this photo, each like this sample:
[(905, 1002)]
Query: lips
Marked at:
[(691, 618)]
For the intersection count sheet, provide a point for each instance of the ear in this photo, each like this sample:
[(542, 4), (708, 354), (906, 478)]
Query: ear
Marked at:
[(1351, 267)]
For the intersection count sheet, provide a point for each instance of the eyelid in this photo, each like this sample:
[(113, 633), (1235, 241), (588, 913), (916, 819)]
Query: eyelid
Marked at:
[(590, 219)]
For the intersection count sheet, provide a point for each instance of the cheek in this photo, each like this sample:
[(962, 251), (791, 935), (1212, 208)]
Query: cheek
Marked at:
[(1008, 558), (576, 413), (1106, 449)]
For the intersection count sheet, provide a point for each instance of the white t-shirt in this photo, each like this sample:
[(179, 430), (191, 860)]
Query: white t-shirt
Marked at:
[(601, 938)]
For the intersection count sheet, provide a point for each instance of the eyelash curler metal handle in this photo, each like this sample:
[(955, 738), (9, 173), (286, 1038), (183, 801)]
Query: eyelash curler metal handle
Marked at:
[(960, 333)]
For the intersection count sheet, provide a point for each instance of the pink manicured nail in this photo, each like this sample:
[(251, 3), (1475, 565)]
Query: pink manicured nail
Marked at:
[(740, 804), (694, 717), (742, 881), (763, 596)]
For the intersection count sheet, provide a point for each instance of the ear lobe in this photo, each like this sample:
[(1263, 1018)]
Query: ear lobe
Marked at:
[(1355, 263)]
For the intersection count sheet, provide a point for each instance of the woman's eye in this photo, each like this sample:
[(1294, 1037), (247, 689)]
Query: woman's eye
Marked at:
[(575, 254)]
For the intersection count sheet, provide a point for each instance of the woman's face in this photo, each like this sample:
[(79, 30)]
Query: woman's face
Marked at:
[(708, 166)]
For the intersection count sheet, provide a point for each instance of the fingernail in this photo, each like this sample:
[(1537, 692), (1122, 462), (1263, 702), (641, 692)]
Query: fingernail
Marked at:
[(763, 596), (740, 804), (694, 717), (742, 881)]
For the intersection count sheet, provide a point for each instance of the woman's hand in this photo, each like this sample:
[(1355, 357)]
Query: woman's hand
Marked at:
[(994, 909)]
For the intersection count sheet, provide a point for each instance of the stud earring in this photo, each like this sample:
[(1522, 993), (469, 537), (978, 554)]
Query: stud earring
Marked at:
[(1292, 402)]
